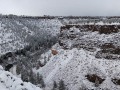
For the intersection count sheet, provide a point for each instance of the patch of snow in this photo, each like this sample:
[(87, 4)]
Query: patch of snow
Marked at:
[(10, 82), (72, 65)]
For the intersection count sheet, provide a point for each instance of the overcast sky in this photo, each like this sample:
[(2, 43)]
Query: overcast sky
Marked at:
[(61, 7)]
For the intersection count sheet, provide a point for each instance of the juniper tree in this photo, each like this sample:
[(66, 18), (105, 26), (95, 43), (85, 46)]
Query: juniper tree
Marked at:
[(32, 77), (61, 85), (55, 86), (24, 75), (40, 80)]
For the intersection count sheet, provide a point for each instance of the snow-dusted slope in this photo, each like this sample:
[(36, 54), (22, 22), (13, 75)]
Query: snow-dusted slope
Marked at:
[(8, 39), (78, 60), (48, 26), (81, 37), (73, 65), (15, 33), (11, 82)]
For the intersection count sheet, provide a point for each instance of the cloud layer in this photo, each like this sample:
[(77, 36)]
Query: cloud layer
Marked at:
[(61, 7)]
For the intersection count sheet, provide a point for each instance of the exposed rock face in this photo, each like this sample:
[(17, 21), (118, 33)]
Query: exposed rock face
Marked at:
[(116, 81), (102, 29), (94, 78), (90, 37)]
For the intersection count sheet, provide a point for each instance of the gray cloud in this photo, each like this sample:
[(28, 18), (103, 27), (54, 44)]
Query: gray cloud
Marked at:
[(61, 7)]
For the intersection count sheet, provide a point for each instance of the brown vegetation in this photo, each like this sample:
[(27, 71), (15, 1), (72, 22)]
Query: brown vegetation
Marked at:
[(54, 52)]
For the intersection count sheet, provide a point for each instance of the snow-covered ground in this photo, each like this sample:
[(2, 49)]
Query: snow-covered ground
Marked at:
[(72, 65), (17, 33), (9, 41), (11, 82)]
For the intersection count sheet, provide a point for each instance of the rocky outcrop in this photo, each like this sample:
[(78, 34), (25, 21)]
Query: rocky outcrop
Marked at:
[(90, 37), (102, 29), (94, 79)]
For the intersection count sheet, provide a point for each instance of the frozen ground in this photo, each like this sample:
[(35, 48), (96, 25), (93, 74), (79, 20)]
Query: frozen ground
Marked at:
[(19, 32), (72, 65), (11, 82)]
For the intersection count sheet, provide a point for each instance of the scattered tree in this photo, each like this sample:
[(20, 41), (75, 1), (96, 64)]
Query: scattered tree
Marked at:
[(61, 85)]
